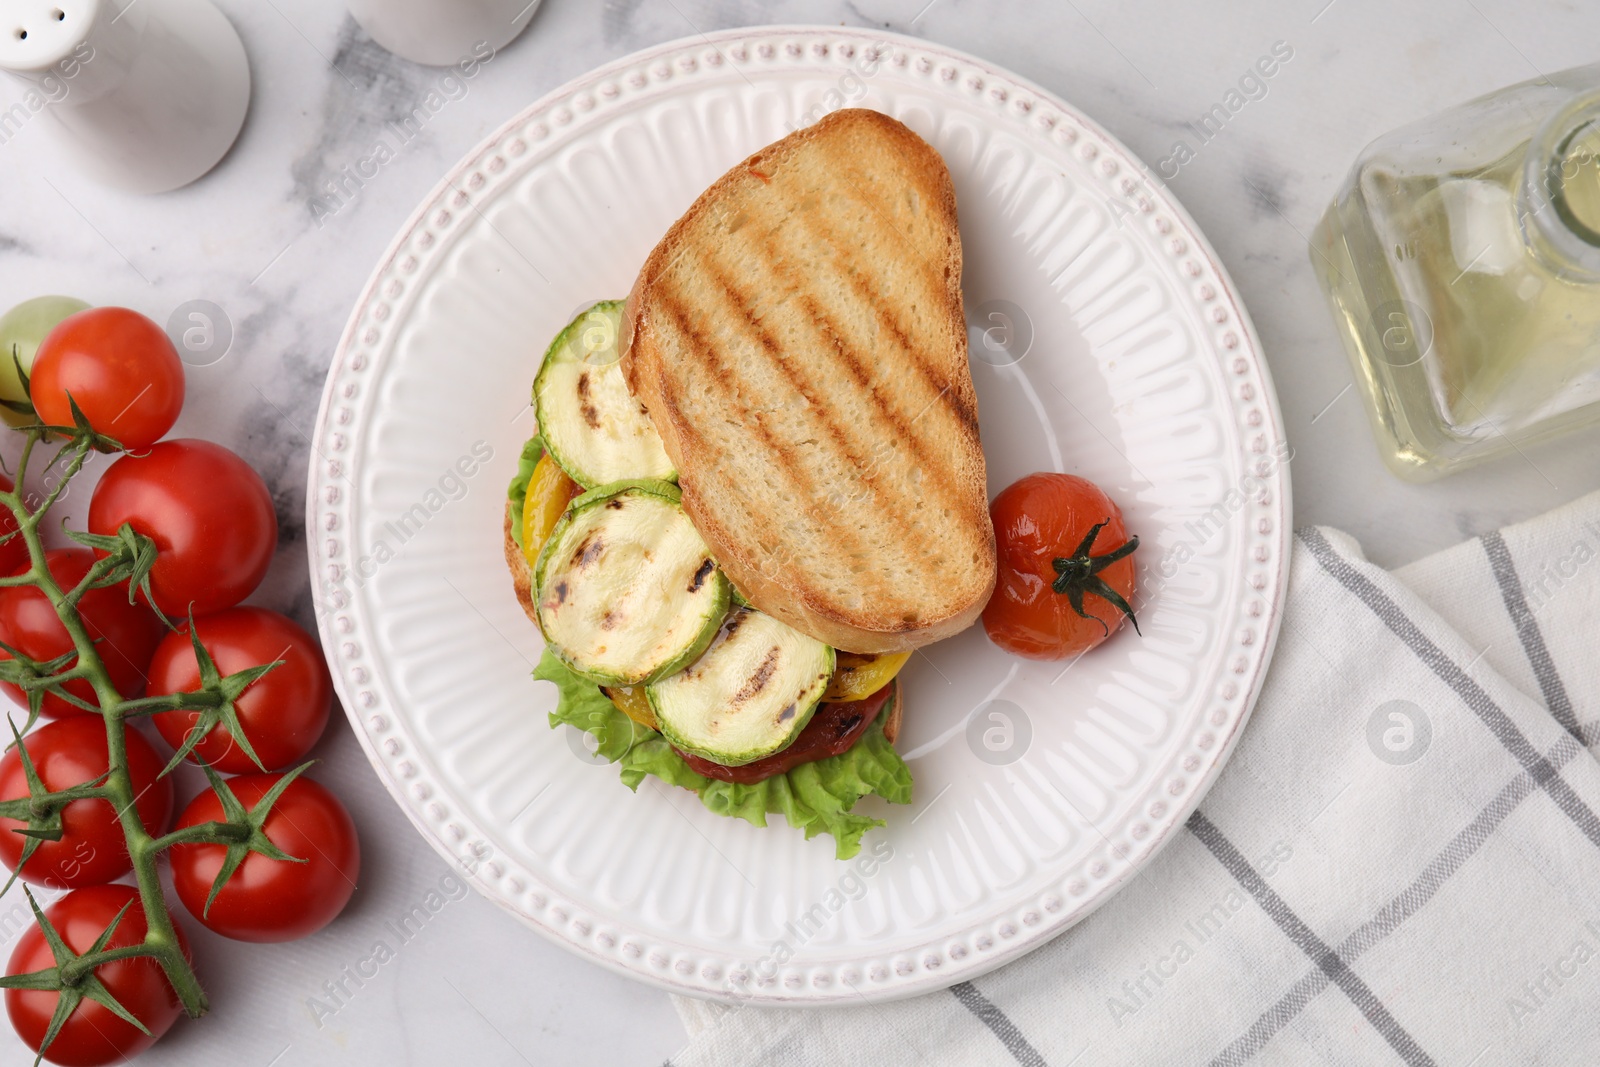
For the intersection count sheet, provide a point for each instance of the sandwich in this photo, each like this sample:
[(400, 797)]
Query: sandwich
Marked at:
[(757, 484)]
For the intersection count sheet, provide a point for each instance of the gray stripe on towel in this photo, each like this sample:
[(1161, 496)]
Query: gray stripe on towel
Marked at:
[(1327, 960), (1516, 600), (998, 1022), (1388, 919), (1448, 671)]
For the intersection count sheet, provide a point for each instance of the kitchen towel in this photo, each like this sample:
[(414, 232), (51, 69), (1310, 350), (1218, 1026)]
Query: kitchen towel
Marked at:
[(1399, 864)]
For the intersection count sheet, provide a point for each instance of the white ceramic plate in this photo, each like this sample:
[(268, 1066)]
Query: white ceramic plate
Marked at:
[(1141, 371)]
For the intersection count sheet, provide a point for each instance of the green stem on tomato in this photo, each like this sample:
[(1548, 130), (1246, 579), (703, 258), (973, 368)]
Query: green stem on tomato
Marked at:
[(80, 453), (97, 570), (1079, 573), (161, 938), (74, 972), (197, 700), (208, 833)]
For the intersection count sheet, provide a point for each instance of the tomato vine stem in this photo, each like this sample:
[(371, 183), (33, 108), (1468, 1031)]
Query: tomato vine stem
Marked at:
[(161, 939)]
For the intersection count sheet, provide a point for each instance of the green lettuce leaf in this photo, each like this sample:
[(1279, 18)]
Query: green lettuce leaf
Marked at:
[(517, 493), (582, 704), (815, 797)]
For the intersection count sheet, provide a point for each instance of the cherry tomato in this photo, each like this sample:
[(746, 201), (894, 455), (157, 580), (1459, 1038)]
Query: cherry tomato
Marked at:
[(209, 514), (121, 369), (267, 899), (1060, 590), (21, 330), (92, 849), (14, 552), (283, 712), (127, 633), (93, 1035)]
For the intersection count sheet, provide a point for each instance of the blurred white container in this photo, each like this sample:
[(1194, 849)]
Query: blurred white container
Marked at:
[(149, 94), (440, 33)]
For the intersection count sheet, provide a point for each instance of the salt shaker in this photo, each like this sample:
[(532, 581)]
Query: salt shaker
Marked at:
[(149, 94), (441, 33)]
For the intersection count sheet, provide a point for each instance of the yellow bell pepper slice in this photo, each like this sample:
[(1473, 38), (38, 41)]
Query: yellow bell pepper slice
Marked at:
[(549, 490), (631, 701), (856, 676)]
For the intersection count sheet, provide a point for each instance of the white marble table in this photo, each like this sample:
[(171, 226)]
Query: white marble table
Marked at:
[(473, 986)]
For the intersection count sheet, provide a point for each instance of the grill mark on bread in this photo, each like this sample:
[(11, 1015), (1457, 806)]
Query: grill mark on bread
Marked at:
[(828, 235), (915, 549), (804, 486), (830, 337), (852, 362), (871, 582), (855, 180), (662, 359), (684, 427), (904, 247), (939, 383)]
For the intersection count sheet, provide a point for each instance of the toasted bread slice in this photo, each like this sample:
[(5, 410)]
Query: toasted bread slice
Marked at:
[(521, 573), (798, 340)]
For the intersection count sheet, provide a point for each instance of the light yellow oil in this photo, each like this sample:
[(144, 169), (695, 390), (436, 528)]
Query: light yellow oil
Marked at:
[(1466, 338)]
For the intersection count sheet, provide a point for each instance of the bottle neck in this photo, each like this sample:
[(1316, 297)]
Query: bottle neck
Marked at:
[(1559, 199)]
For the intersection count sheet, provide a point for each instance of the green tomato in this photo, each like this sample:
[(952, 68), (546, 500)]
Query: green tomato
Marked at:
[(21, 330)]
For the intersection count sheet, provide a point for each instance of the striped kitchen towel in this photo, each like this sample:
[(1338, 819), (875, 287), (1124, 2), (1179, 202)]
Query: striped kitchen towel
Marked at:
[(1401, 862)]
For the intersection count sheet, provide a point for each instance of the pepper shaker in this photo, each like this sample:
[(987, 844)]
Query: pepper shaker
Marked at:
[(149, 94), (440, 33)]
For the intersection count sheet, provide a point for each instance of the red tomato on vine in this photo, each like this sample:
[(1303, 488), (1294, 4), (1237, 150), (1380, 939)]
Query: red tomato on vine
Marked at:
[(118, 367), (126, 634), (209, 514), (91, 849), (282, 713), (267, 899), (94, 1035)]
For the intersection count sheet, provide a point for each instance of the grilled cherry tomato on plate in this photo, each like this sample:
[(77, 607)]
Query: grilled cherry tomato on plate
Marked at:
[(93, 1035), (92, 849), (119, 367), (270, 899), (1066, 573), (283, 712), (127, 634), (207, 510)]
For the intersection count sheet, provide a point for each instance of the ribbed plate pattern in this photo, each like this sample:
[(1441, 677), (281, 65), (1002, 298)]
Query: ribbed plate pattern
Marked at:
[(1143, 374)]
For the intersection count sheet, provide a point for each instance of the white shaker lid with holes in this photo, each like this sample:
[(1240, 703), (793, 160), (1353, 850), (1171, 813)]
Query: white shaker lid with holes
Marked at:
[(147, 95)]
